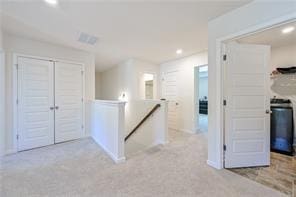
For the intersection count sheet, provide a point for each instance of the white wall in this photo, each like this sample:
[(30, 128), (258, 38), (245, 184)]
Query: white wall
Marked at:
[(2, 96), (284, 56), (232, 24), (203, 87), (110, 86), (186, 92), (13, 44), (126, 77), (110, 126), (107, 128), (98, 85), (152, 132), (2, 103)]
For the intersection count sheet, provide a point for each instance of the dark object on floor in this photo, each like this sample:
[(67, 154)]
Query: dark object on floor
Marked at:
[(281, 126), (203, 107), (287, 70)]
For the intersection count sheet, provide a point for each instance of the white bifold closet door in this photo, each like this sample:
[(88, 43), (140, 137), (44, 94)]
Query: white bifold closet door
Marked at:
[(68, 102), (50, 102), (35, 103)]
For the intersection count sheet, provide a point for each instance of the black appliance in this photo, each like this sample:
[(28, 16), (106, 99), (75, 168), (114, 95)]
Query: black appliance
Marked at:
[(203, 107), (282, 126)]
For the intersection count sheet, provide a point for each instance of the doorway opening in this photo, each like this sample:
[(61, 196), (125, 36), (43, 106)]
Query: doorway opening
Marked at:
[(260, 105), (201, 97), (149, 86)]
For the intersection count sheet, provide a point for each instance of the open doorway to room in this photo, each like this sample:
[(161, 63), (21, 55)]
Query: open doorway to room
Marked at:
[(201, 97), (148, 80), (260, 105), (148, 86)]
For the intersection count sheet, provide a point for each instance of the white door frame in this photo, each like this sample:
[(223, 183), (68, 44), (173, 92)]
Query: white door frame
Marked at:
[(2, 102), (15, 91), (220, 50), (141, 87), (196, 97)]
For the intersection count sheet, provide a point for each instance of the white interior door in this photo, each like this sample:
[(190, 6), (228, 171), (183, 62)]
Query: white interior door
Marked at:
[(35, 103), (247, 118), (170, 93), (68, 102)]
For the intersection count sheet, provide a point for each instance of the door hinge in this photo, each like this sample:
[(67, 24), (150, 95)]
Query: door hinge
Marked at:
[(82, 72), (82, 126), (17, 136), (224, 102), (17, 101), (17, 66), (81, 99), (224, 147), (224, 57)]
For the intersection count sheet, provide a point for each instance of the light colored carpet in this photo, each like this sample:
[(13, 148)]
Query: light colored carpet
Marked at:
[(80, 168), (203, 122)]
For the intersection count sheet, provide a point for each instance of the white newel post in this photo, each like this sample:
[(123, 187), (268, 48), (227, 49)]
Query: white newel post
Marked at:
[(108, 125), (162, 123)]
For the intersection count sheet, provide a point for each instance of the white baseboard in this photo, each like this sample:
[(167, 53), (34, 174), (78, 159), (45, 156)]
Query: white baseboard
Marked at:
[(119, 160), (214, 165), (10, 151), (113, 157)]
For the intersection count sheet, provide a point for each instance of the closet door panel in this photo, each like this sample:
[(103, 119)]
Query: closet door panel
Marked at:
[(35, 103), (68, 102)]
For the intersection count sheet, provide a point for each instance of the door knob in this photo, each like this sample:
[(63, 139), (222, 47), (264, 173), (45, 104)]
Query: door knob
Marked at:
[(51, 108), (267, 111), (56, 107)]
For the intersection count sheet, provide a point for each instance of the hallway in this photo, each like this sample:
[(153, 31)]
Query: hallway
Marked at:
[(81, 168)]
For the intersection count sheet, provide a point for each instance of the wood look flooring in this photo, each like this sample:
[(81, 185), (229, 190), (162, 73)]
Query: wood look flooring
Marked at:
[(280, 175)]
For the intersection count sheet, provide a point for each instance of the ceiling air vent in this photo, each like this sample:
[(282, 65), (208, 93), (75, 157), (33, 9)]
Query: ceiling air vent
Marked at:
[(87, 39)]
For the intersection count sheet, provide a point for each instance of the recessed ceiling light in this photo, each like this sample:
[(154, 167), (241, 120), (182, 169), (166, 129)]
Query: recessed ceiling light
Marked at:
[(287, 30), (179, 51), (52, 2)]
